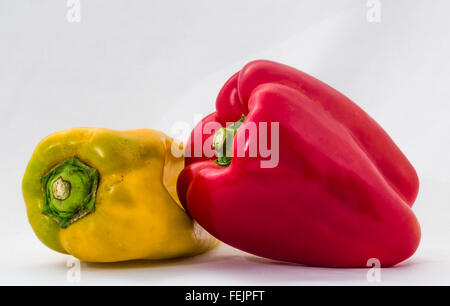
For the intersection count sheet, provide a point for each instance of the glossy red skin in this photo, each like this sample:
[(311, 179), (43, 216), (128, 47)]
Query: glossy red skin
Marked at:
[(340, 195)]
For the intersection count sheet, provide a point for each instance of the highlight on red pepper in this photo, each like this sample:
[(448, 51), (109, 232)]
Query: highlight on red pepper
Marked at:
[(339, 195)]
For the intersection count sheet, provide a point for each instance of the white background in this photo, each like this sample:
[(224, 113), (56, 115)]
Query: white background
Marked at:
[(131, 64)]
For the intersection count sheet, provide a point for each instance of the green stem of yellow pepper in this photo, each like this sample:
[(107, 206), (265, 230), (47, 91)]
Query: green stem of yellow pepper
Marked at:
[(69, 191)]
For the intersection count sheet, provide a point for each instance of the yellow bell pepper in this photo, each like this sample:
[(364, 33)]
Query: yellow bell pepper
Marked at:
[(104, 196)]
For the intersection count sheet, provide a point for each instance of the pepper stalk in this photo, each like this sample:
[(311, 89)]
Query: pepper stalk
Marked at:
[(223, 142), (69, 191)]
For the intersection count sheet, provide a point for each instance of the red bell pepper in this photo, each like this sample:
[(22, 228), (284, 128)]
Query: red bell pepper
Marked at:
[(340, 194)]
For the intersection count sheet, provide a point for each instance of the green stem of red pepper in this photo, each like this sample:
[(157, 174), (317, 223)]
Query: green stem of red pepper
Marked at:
[(223, 142)]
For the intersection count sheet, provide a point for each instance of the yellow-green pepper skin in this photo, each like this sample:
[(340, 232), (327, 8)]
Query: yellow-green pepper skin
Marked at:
[(126, 184)]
